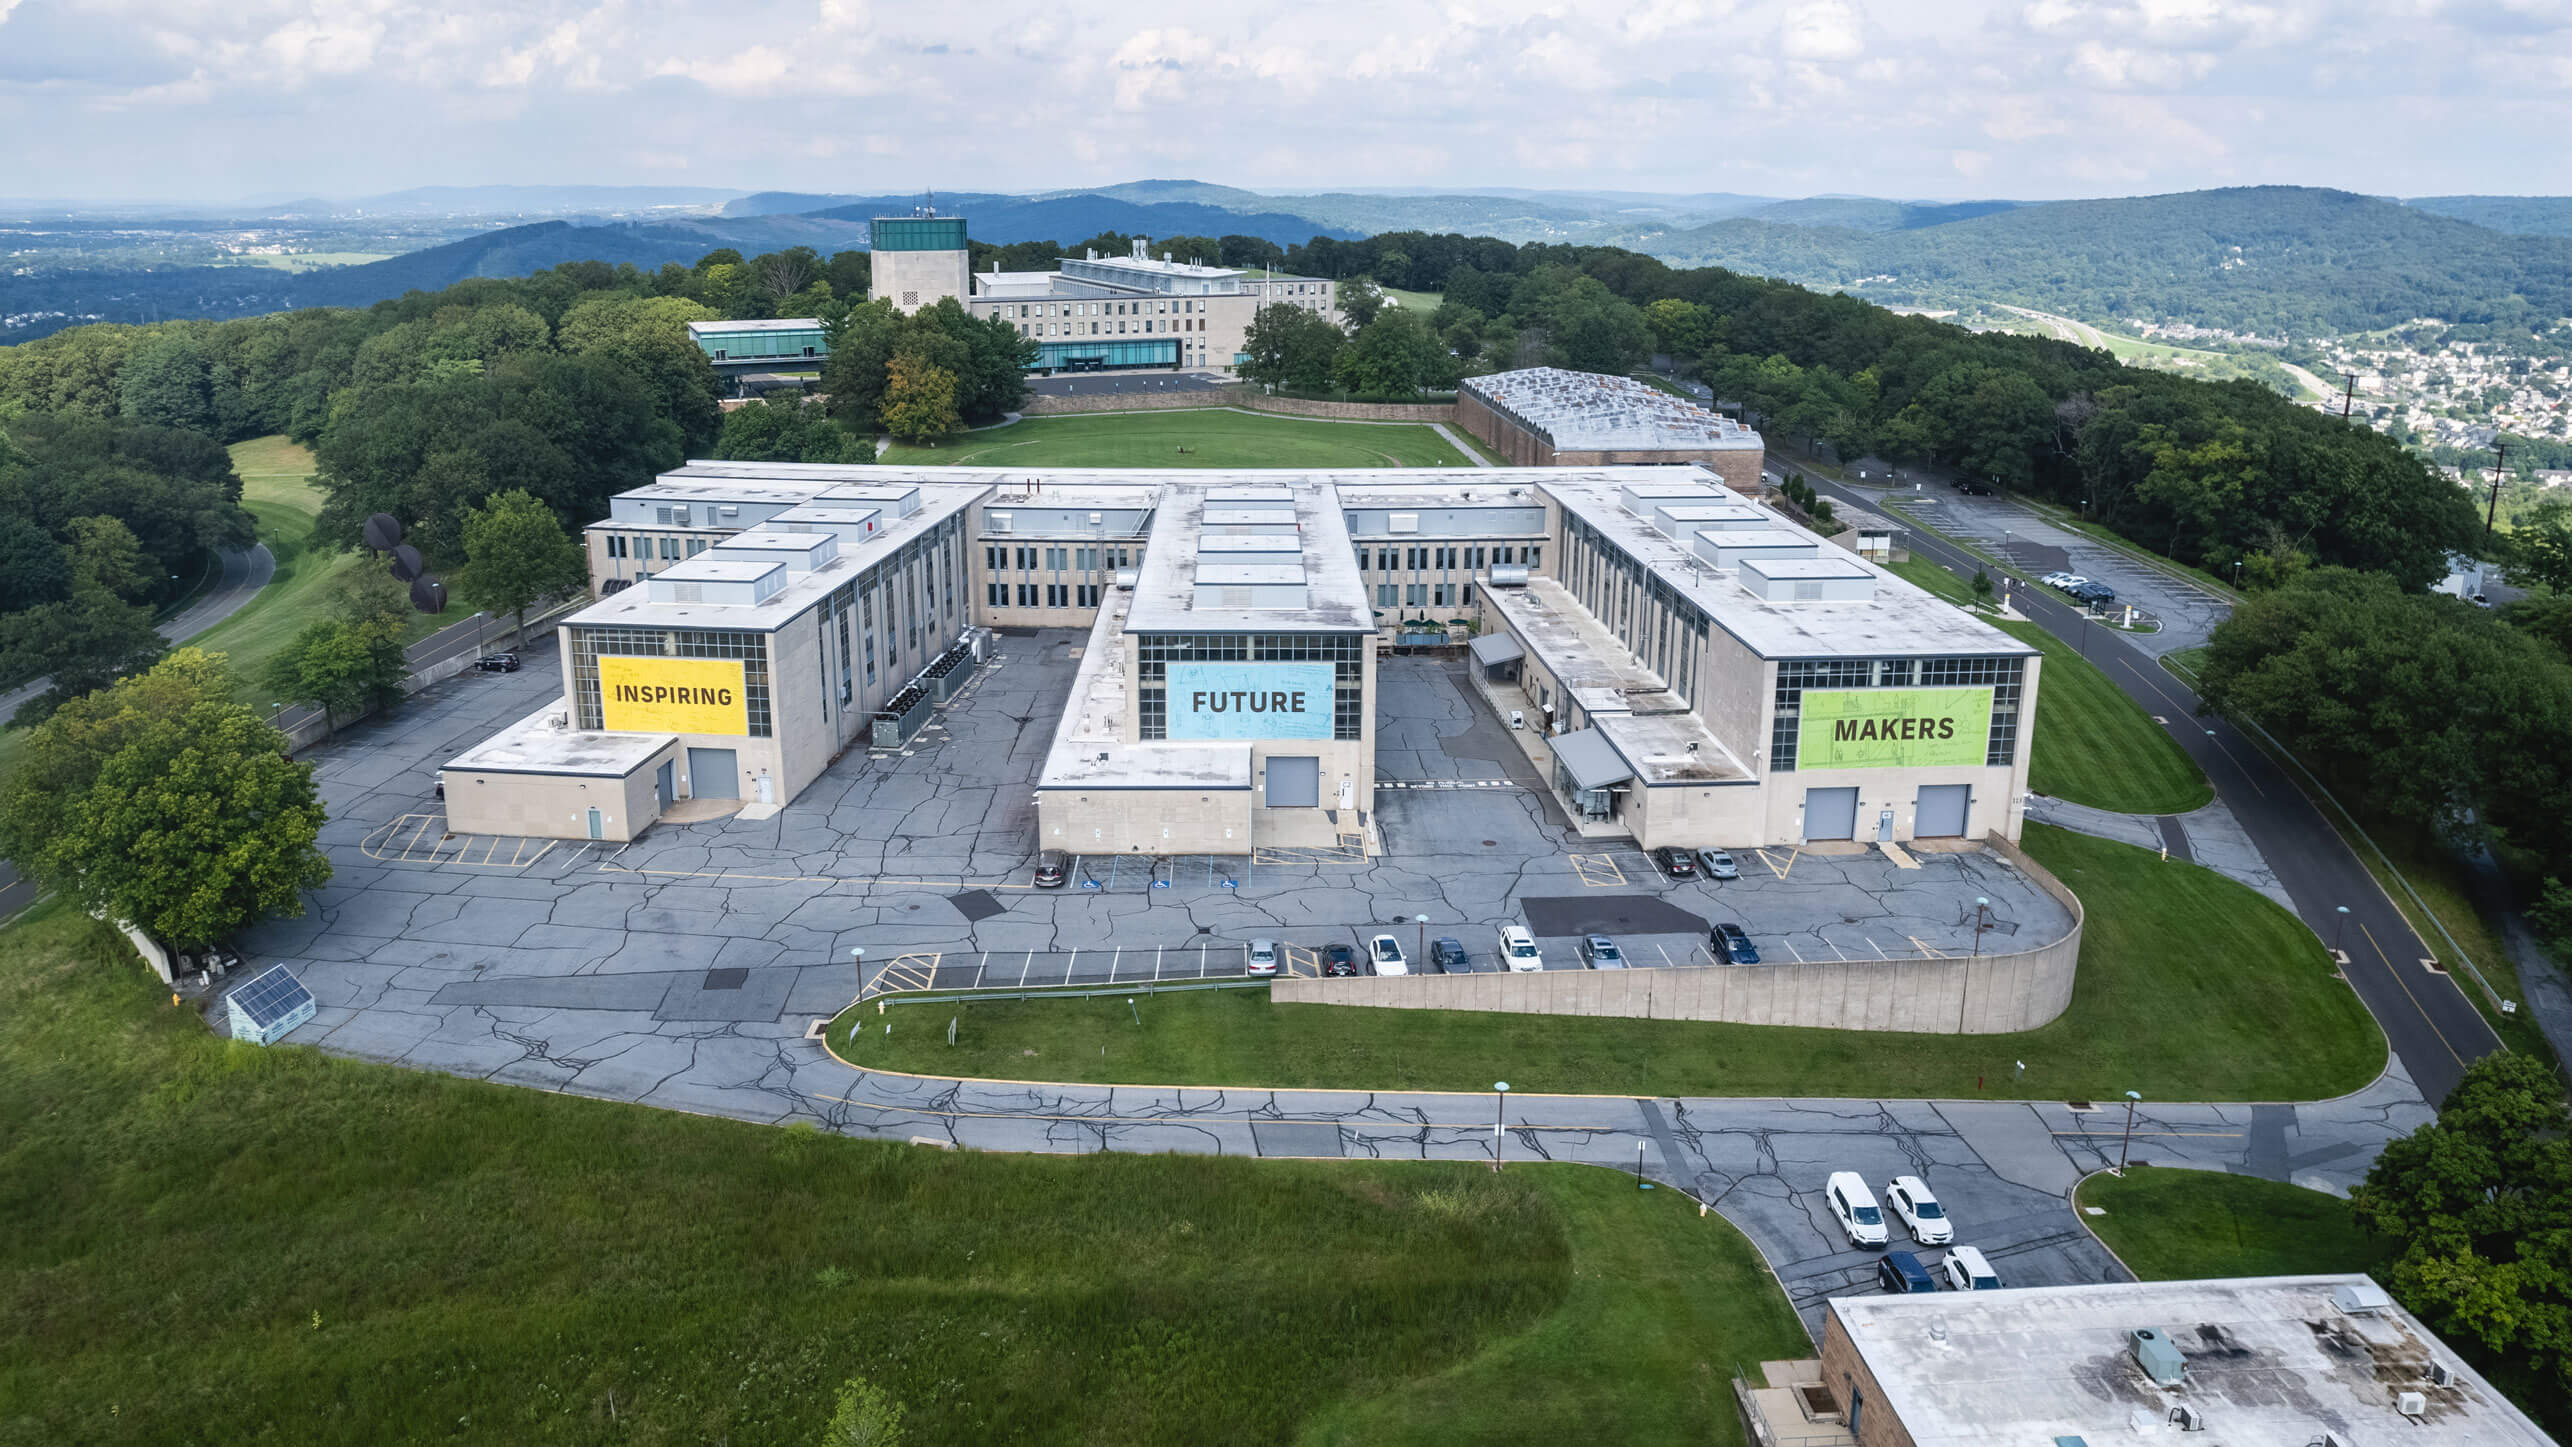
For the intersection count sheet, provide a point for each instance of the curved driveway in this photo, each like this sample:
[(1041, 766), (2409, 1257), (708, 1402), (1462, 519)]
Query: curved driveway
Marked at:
[(245, 572)]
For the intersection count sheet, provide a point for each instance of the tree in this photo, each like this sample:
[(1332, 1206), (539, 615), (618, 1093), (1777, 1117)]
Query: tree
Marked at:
[(105, 556), (865, 1415), (1291, 347), (83, 643), (167, 383), (2479, 1205), (1360, 301), (515, 552), (341, 667), (787, 428), (1982, 589), (33, 569), (1393, 356), (162, 802), (2540, 547), (1681, 328), (919, 400)]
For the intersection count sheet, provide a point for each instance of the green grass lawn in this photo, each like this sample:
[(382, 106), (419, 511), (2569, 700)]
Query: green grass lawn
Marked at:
[(2172, 1225), (1210, 437), (2094, 745), (2191, 987), (216, 1242), (277, 488), (1423, 302)]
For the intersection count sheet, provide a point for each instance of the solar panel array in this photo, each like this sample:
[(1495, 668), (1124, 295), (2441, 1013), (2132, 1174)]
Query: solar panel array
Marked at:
[(271, 996)]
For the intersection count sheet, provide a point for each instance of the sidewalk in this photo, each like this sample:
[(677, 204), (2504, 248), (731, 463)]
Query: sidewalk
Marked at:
[(2210, 836)]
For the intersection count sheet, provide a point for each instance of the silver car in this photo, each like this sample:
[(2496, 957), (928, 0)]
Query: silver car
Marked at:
[(1718, 864), (1600, 953)]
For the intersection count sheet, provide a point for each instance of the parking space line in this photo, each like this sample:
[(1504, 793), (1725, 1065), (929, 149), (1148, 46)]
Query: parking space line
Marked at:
[(1879, 949), (1665, 956), (1790, 949), (1026, 967), (1835, 949), (1925, 951), (1116, 962)]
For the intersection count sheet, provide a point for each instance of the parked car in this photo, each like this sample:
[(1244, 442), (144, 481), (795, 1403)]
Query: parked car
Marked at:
[(1052, 868), (1900, 1272), (1853, 1206), (1600, 953), (1921, 1214), (1263, 958), (1966, 1270), (1971, 488), (1385, 953), (1718, 864), (1677, 863), (497, 663), (1518, 949), (1731, 945), (1339, 960), (2055, 579), (2095, 595), (1448, 954), (2067, 581)]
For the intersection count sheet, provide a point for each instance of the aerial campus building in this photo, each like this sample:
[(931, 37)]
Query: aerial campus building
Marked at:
[(1552, 417), (1684, 664), (1132, 313)]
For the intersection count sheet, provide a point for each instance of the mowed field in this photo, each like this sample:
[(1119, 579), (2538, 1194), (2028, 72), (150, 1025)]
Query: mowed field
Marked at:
[(277, 488), (2249, 1010), (1194, 437), (211, 1242)]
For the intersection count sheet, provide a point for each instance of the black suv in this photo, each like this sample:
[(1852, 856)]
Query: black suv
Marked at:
[(497, 663), (1448, 954)]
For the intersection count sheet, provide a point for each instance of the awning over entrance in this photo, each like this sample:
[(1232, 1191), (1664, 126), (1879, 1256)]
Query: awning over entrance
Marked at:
[(1493, 649), (1587, 757)]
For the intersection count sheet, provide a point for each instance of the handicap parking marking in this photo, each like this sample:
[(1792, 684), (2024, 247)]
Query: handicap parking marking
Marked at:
[(1598, 871), (1781, 872), (1301, 962)]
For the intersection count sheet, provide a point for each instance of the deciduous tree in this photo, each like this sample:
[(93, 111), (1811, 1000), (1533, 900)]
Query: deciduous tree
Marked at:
[(516, 552), (919, 400), (341, 666)]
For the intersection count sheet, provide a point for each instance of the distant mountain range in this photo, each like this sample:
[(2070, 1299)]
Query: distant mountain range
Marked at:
[(2272, 261)]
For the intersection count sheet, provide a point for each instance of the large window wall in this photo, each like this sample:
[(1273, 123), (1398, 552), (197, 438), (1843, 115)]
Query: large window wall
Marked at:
[(591, 644), (2002, 675), (1155, 652), (1657, 623)]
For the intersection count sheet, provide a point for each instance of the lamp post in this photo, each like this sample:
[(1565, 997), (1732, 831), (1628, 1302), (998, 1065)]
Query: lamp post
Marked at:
[(1500, 1116), (1982, 918), (1424, 938), (2131, 1098), (2340, 934)]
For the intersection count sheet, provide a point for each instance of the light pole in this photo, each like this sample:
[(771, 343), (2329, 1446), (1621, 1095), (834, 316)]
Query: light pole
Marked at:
[(1500, 1116), (2131, 1098), (1982, 917), (2340, 934), (1423, 956)]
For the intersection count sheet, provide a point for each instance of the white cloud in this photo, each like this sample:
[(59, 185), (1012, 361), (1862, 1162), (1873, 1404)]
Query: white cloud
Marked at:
[(1822, 30)]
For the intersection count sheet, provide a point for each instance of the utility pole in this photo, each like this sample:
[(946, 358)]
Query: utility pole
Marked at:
[(2500, 465), (2349, 397)]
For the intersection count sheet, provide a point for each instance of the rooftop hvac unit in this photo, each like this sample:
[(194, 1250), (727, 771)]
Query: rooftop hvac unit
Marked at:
[(1509, 575), (2360, 1298), (731, 511), (2159, 1359), (2188, 1419), (998, 521), (2441, 1375), (2411, 1404), (1125, 581)]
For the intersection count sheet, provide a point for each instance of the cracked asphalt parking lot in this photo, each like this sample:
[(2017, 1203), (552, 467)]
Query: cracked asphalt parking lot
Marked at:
[(683, 970)]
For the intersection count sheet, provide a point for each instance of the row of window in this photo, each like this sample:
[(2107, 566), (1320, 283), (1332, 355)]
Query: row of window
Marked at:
[(1055, 560), (621, 545), (1471, 558), (1109, 329), (1101, 308), (591, 644), (1655, 622), (1052, 595), (1423, 595)]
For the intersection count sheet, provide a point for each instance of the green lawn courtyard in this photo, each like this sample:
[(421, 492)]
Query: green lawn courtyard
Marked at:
[(1189, 437), (2171, 1225), (2191, 987), (210, 1241)]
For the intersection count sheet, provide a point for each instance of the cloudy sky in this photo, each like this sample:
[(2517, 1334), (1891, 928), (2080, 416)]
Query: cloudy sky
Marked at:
[(205, 99)]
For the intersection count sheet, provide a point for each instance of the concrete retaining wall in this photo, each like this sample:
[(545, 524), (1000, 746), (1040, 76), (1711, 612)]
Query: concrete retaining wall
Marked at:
[(1997, 994), (1046, 404)]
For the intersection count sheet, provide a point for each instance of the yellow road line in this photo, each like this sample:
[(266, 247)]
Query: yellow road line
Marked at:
[(1924, 949), (2406, 990)]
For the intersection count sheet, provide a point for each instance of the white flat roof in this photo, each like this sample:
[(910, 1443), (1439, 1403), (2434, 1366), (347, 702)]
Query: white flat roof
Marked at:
[(533, 745), (1900, 620), (771, 324), (713, 567), (1250, 574), (1824, 567), (2271, 1361), (1589, 412), (1089, 751), (1165, 588)]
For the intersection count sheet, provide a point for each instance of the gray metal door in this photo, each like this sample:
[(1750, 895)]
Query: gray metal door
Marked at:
[(1831, 813), (1942, 810), (714, 774), (1294, 781), (1884, 826), (597, 826), (665, 783)]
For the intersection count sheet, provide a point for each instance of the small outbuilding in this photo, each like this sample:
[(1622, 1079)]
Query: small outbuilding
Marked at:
[(272, 1003)]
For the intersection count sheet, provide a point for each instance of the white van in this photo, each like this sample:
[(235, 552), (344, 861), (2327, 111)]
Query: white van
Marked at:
[(1854, 1207), (1518, 949), (1966, 1270)]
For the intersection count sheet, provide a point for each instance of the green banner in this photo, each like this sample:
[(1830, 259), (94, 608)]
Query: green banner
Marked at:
[(1873, 728)]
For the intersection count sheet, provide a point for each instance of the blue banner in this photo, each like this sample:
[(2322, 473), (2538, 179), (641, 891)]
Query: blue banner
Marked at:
[(1250, 700)]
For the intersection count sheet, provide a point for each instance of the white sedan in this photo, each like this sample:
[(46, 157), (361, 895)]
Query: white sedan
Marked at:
[(1921, 1214), (1386, 953)]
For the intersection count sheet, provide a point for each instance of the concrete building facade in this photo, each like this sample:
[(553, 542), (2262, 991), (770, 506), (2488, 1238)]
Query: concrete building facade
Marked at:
[(1689, 667)]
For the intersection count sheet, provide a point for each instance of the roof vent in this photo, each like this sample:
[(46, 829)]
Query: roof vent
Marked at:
[(2188, 1419), (2360, 1298), (2411, 1404), (2159, 1359)]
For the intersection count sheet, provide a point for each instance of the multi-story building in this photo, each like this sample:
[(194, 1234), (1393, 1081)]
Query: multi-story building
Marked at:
[(1551, 417), (1688, 666)]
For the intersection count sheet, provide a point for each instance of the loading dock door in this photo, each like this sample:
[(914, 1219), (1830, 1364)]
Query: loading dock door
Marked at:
[(1942, 809), (1294, 781), (714, 773), (1830, 813)]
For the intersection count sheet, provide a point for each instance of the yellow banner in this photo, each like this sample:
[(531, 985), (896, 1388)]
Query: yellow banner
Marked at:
[(672, 696)]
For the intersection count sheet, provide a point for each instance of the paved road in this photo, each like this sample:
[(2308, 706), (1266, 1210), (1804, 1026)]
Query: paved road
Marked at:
[(2433, 1028), (245, 572)]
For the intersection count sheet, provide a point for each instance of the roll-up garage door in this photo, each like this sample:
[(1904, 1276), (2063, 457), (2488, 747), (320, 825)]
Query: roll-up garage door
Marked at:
[(1941, 811), (1830, 813), (1294, 781), (714, 773)]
